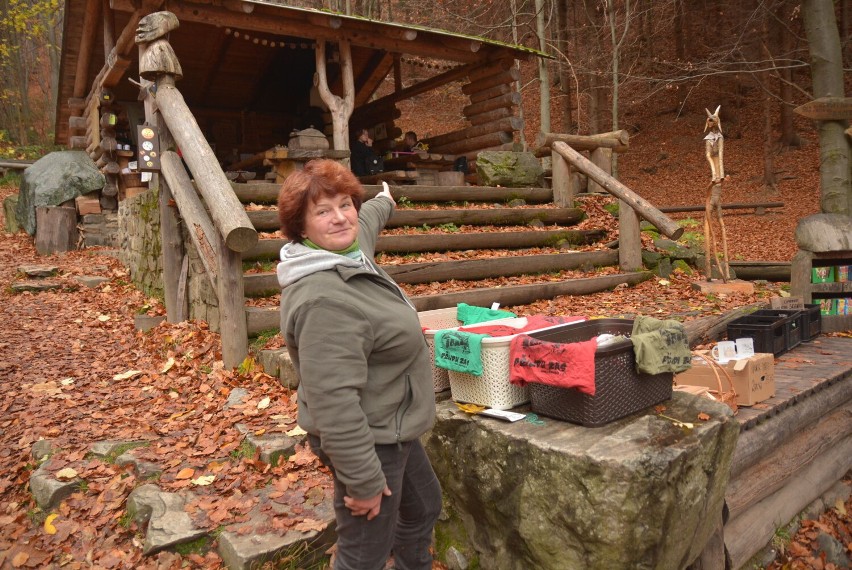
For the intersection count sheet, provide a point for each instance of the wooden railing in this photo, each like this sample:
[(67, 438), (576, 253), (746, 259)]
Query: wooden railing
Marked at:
[(218, 227), (631, 205)]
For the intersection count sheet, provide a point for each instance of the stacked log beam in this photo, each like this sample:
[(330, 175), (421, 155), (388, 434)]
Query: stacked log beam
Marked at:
[(491, 113)]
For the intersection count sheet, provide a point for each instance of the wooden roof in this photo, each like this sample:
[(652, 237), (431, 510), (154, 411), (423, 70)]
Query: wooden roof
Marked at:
[(250, 55)]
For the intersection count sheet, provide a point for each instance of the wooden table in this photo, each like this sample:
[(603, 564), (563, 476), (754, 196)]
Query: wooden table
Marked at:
[(285, 160), (432, 169)]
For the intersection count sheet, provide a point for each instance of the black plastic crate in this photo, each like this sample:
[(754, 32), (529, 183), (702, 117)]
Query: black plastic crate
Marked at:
[(620, 389), (813, 318), (796, 323), (768, 332)]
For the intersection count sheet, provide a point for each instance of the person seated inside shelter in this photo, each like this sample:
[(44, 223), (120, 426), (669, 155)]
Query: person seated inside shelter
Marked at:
[(410, 143), (363, 158)]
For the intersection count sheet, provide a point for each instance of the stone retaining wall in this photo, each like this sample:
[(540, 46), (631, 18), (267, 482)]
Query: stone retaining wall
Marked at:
[(140, 249)]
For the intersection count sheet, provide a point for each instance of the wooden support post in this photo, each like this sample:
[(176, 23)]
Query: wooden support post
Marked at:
[(629, 240), (602, 158), (171, 241), (666, 225), (561, 182), (232, 309), (340, 107)]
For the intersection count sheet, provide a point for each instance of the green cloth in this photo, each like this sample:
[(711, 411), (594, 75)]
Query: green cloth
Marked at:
[(459, 351), (470, 315), (660, 346), (354, 247)]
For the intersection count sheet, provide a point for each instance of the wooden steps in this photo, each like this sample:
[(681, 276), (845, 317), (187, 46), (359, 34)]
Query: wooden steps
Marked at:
[(455, 211)]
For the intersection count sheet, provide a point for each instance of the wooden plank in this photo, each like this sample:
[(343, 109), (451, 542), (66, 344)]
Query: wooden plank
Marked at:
[(748, 533), (507, 100), (269, 248), (261, 319), (266, 220), (506, 124), (258, 284), (776, 469), (508, 76), (731, 206), (831, 368), (827, 109), (525, 294)]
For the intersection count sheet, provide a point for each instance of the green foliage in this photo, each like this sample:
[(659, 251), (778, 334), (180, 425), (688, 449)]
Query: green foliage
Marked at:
[(451, 227), (245, 449), (263, 337), (11, 178), (198, 546), (612, 208), (403, 201), (692, 239)]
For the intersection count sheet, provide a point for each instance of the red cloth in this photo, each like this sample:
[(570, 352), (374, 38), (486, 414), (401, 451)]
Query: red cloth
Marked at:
[(534, 323), (568, 365)]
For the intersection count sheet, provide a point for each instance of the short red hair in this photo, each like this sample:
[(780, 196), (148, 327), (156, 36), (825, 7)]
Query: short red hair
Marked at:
[(320, 177)]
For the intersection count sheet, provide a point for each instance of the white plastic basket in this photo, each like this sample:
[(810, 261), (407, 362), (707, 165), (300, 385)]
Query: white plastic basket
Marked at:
[(492, 389), (433, 321)]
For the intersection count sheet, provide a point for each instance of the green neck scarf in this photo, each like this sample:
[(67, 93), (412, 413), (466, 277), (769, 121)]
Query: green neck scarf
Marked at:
[(353, 251)]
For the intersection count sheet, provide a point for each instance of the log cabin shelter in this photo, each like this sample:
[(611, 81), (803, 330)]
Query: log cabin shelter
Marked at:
[(249, 67)]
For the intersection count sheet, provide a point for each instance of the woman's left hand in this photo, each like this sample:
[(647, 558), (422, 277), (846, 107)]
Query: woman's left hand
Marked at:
[(370, 507), (386, 192)]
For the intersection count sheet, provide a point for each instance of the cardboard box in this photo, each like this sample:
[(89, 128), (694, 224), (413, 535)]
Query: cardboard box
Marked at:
[(822, 274), (844, 306), (827, 306), (843, 273), (753, 377)]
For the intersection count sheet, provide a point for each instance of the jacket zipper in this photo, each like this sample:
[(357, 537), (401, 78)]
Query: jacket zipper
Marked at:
[(403, 407)]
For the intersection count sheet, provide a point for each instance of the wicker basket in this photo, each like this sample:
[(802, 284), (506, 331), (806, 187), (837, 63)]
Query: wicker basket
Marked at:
[(619, 389), (493, 389)]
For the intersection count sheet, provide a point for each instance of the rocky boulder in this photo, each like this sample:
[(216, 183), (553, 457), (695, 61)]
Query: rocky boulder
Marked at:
[(54, 179), (641, 492), (825, 232), (509, 169)]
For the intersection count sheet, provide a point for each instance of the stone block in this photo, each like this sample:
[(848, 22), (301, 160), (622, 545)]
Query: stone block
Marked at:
[(145, 323), (287, 372), (48, 491), (825, 232), (640, 492), (509, 169), (10, 203), (167, 523)]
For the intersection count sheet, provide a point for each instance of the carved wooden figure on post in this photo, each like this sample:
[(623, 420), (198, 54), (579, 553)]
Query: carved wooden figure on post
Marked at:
[(713, 150), (156, 55), (714, 145)]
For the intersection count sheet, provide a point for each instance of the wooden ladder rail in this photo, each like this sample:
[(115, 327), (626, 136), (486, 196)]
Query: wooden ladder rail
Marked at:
[(220, 236)]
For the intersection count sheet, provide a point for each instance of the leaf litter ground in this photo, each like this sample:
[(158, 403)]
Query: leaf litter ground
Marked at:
[(75, 371)]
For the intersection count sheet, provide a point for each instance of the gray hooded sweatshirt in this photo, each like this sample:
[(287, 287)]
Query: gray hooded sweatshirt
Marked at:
[(358, 347)]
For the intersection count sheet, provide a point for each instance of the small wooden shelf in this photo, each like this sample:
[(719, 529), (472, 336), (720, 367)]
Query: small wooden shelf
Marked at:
[(801, 286)]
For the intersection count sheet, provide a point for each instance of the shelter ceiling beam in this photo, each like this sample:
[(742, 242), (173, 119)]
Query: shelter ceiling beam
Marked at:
[(376, 70), (87, 43), (109, 26), (422, 87), (216, 57), (269, 20)]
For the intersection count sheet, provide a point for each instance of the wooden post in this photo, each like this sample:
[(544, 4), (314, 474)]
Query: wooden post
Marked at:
[(171, 241), (629, 239), (602, 158), (340, 107), (563, 195), (665, 224)]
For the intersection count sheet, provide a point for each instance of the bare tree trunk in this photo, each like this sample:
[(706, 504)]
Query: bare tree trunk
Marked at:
[(564, 72), (679, 20), (523, 138), (784, 39), (768, 151), (827, 76), (543, 72)]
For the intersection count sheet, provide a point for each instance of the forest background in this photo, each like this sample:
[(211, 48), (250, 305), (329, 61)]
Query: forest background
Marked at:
[(616, 63)]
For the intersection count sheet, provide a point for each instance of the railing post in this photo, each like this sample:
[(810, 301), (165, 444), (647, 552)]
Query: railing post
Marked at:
[(233, 231), (563, 190)]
